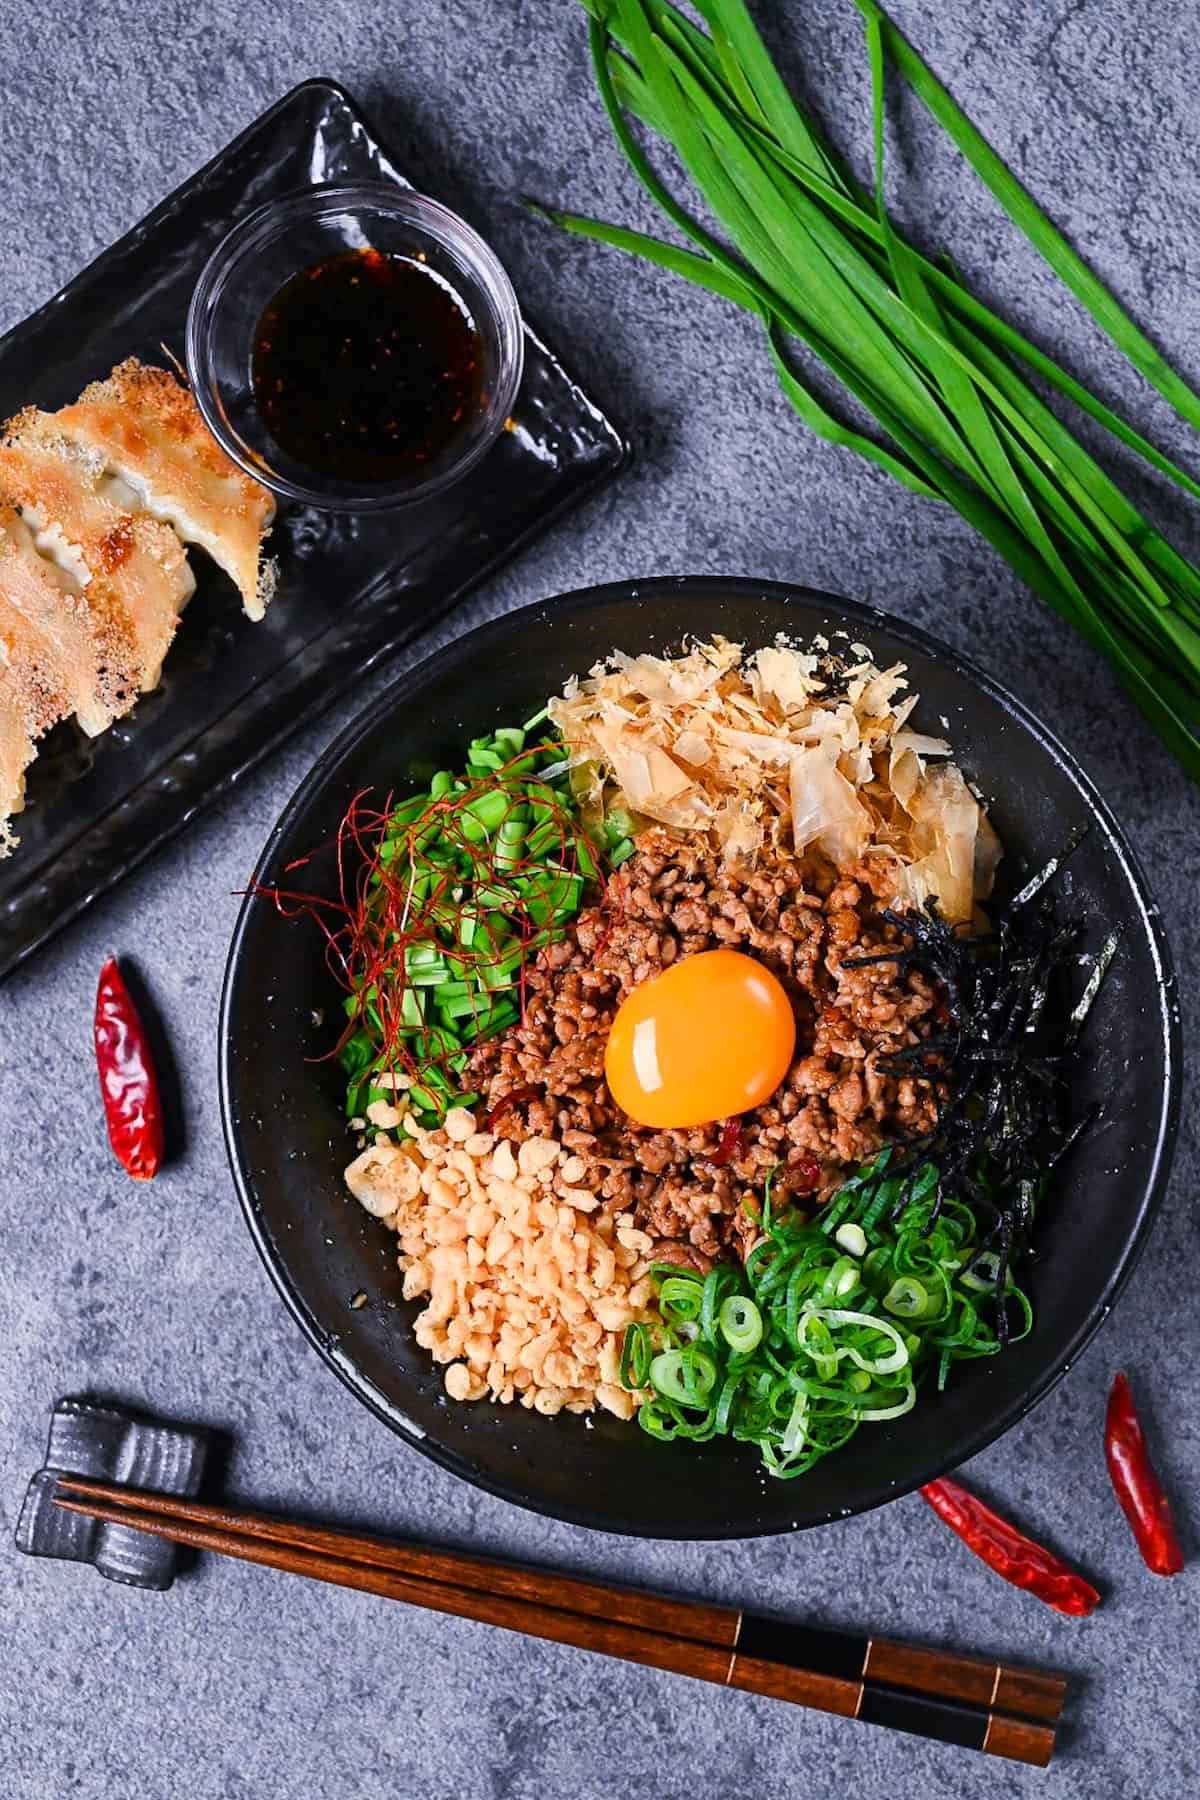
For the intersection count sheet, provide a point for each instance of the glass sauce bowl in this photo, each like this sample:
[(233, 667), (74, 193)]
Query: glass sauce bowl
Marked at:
[(286, 237)]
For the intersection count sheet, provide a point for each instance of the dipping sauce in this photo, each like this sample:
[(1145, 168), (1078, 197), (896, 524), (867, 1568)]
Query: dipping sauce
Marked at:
[(367, 367)]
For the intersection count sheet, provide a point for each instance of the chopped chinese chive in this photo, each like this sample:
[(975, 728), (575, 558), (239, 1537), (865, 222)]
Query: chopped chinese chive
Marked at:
[(412, 1008), (471, 879)]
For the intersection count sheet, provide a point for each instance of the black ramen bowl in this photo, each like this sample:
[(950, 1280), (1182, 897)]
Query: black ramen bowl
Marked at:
[(288, 1142)]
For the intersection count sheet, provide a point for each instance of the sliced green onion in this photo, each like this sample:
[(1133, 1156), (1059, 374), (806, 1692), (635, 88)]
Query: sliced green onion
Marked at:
[(876, 1414), (983, 1272), (767, 1356), (635, 1357), (741, 1324), (896, 1358), (814, 1337), (717, 1283), (907, 1298), (851, 1238), (793, 1434), (685, 1376), (681, 1297), (841, 1280)]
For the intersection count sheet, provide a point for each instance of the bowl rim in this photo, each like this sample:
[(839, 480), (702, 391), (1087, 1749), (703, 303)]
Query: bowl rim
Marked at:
[(862, 618), (438, 222)]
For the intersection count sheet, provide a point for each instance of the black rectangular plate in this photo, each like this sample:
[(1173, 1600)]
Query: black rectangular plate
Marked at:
[(353, 588)]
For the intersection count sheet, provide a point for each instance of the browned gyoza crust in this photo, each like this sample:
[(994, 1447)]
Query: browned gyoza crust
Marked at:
[(836, 1106), (145, 426)]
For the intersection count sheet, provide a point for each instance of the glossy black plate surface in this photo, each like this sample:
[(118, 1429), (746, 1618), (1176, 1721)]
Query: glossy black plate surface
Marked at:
[(288, 1143), (353, 589)]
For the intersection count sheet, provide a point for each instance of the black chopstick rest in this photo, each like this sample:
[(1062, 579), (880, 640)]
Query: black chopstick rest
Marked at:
[(110, 1443)]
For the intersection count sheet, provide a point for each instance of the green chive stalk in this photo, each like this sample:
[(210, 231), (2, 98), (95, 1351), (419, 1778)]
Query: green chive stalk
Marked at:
[(818, 261)]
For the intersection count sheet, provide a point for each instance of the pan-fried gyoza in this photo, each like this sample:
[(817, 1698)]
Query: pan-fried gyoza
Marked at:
[(94, 502)]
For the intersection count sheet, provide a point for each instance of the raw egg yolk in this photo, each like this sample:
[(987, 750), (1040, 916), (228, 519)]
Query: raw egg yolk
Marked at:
[(711, 1036)]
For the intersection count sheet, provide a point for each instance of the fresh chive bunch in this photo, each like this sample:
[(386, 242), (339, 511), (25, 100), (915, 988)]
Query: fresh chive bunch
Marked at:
[(464, 883), (818, 260), (831, 1325)]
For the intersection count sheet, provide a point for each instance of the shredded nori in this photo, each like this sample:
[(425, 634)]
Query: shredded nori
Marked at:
[(999, 1063)]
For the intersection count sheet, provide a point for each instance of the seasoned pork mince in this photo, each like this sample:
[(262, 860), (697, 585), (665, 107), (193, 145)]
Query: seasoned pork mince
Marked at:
[(837, 1106)]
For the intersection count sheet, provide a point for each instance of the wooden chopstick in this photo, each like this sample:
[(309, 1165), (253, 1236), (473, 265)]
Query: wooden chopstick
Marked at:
[(564, 1609), (1027, 1693)]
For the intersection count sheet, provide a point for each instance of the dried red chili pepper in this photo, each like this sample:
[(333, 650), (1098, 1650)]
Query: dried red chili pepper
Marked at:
[(128, 1084), (1136, 1483), (1007, 1551), (729, 1144)]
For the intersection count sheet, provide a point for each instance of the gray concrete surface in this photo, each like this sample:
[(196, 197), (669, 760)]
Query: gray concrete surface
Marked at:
[(241, 1685)]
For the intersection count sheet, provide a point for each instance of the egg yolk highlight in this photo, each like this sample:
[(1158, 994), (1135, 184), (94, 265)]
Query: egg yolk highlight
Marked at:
[(711, 1036)]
